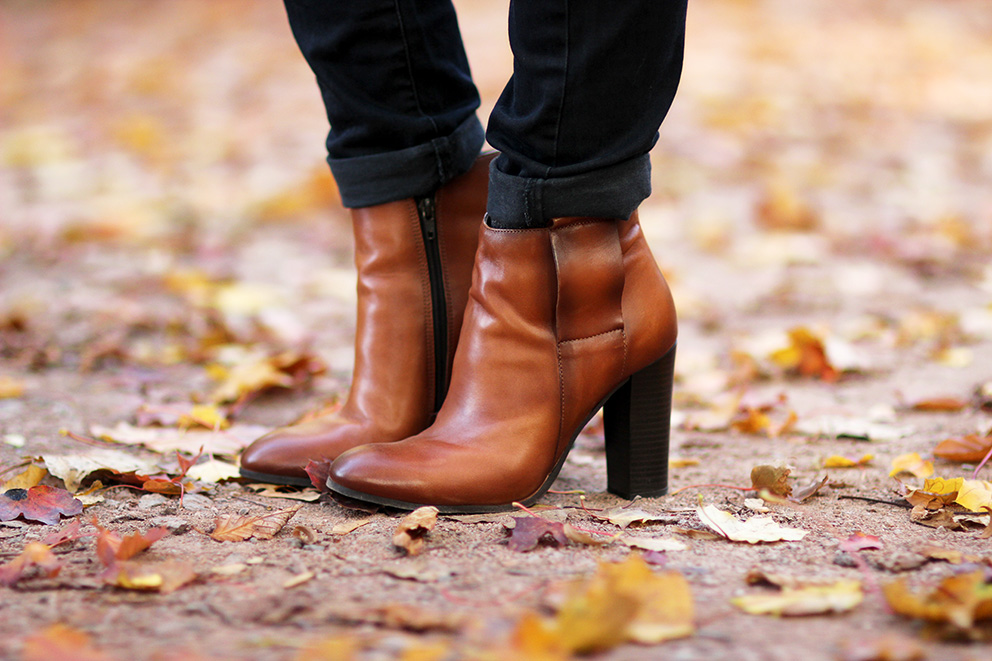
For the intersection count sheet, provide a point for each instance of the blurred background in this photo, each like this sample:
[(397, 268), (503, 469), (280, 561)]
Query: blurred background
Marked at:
[(163, 191)]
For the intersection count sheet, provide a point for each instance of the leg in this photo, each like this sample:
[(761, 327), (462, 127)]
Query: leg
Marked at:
[(398, 93), (592, 83), (568, 310)]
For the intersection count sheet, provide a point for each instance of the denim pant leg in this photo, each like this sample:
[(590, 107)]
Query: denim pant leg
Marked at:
[(398, 93), (592, 82)]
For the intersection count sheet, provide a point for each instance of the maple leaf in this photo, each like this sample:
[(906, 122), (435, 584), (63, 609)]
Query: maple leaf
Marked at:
[(812, 600), (59, 641), (41, 503), (966, 449), (112, 548), (410, 532), (529, 530), (806, 356), (772, 478), (754, 530), (237, 528), (34, 555)]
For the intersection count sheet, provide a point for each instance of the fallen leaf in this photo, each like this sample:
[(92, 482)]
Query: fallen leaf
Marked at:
[(583, 537), (41, 503), (693, 533), (257, 374), (966, 449), (626, 517), (112, 548), (237, 528), (773, 478), (974, 495), (840, 597), (754, 530), (69, 533), (682, 462), (30, 477), (529, 530), (860, 541), (213, 471), (305, 534), (959, 600), (654, 543), (934, 518), (911, 463), (10, 388), (809, 490), (837, 461), (164, 577), (806, 356), (227, 442), (345, 527), (59, 641), (34, 556), (318, 471), (412, 529), (757, 576), (298, 580), (283, 491), (72, 469), (940, 405), (756, 505)]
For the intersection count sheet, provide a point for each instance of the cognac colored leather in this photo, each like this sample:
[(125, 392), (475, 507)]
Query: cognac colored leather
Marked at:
[(394, 390), (558, 319)]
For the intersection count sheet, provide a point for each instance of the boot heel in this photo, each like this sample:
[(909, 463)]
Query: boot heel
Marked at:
[(637, 423)]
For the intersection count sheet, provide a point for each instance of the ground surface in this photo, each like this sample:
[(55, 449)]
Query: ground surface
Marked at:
[(164, 207)]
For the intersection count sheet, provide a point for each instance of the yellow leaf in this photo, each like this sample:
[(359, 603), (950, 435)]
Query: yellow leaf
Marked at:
[(911, 463), (939, 485), (959, 600), (813, 600), (837, 461), (10, 388), (773, 478), (31, 477), (205, 415), (975, 495)]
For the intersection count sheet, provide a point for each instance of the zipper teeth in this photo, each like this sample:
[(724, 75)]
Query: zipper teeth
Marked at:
[(428, 222)]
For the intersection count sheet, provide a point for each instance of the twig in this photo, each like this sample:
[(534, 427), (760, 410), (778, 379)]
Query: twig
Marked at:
[(894, 503)]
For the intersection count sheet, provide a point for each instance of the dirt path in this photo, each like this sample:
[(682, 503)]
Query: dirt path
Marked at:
[(164, 209)]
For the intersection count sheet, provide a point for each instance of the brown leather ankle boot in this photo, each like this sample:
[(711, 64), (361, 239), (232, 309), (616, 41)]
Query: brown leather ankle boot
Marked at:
[(414, 260), (560, 322)]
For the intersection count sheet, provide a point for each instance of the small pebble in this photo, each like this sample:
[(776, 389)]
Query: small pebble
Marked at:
[(174, 524), (151, 500), (195, 501)]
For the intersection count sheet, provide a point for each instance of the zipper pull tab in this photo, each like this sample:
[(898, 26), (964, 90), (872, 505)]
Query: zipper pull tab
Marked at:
[(425, 207)]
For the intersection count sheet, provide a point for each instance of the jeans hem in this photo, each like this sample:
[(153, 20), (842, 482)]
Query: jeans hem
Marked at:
[(365, 181), (611, 192)]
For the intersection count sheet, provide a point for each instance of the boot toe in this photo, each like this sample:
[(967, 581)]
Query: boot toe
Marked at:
[(272, 457)]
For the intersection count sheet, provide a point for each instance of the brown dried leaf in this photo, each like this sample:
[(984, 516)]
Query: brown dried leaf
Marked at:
[(111, 547), (41, 503), (164, 577), (809, 490), (413, 528), (283, 491), (934, 518), (237, 528), (345, 527), (772, 478), (583, 537), (624, 517), (940, 405), (319, 471)]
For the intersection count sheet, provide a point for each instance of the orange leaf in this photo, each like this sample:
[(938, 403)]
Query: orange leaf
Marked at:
[(111, 548), (967, 449), (61, 642), (940, 404), (35, 554)]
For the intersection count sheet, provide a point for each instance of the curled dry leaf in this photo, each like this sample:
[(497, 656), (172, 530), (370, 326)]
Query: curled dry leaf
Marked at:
[(34, 556), (839, 597), (412, 529), (345, 527), (771, 478), (318, 471), (585, 537), (112, 548), (40, 503), (305, 534), (631, 517), (754, 530), (283, 491), (809, 490), (237, 528)]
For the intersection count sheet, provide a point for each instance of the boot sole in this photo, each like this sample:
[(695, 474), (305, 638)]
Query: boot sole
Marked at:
[(637, 464), (272, 478)]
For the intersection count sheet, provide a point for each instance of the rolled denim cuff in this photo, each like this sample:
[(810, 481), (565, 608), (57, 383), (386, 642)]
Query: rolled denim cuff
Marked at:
[(364, 181), (613, 192)]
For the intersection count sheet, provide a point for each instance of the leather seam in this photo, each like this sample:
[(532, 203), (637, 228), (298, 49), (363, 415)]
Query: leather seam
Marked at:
[(425, 287), (609, 332)]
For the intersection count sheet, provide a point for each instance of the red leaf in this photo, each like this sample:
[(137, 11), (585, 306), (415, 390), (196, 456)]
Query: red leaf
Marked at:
[(111, 548), (859, 541), (40, 503), (319, 471), (967, 449), (68, 534), (529, 530)]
